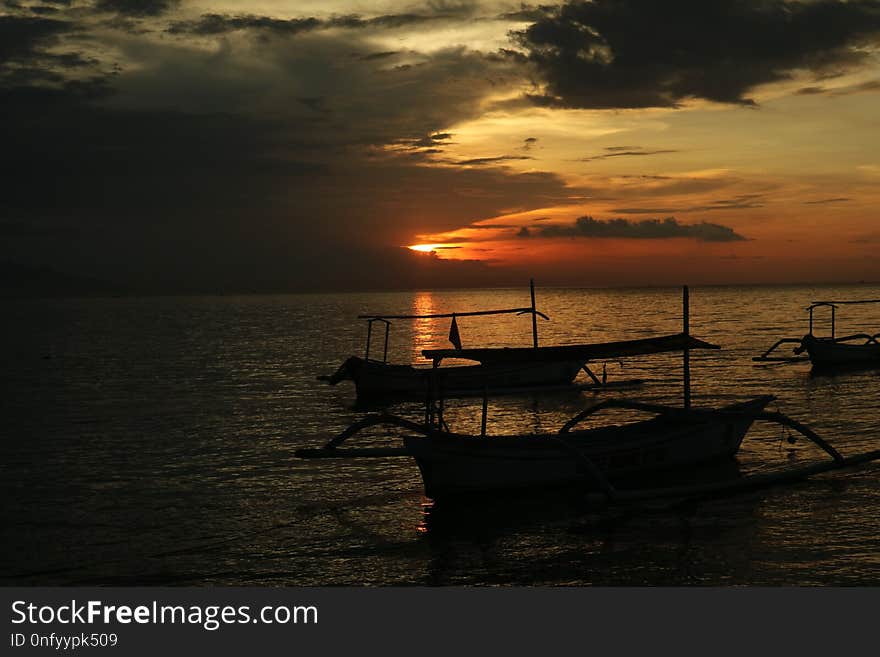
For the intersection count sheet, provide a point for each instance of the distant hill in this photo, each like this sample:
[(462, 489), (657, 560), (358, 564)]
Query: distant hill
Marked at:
[(17, 280)]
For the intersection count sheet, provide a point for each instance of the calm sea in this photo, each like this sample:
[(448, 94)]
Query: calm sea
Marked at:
[(150, 441)]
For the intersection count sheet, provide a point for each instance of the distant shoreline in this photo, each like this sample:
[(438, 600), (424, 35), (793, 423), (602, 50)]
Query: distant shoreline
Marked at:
[(10, 291)]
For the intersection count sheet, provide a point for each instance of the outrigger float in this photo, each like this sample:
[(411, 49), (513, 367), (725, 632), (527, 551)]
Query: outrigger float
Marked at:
[(500, 370), (610, 464), (858, 349)]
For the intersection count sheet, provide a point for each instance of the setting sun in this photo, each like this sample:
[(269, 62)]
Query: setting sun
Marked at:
[(427, 248)]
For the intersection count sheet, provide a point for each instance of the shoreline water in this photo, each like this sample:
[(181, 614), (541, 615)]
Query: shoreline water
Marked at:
[(150, 441)]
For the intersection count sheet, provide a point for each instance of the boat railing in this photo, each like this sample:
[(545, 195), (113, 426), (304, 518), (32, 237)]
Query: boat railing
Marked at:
[(386, 318), (834, 305), (370, 337)]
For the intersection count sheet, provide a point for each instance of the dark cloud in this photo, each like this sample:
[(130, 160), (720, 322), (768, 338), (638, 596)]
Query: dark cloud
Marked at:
[(482, 161), (646, 176), (489, 226), (871, 85), (863, 87), (315, 104), (640, 53), (30, 53), (385, 54), (625, 151), (528, 13), (823, 201), (741, 202), (427, 143), (210, 24), (137, 8), (647, 229), (318, 88), (22, 36)]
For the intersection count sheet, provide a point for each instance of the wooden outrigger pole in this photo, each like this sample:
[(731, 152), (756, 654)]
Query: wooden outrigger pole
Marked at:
[(686, 320), (534, 313)]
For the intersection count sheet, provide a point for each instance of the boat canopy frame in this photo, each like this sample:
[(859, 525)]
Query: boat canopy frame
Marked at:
[(834, 305), (386, 318)]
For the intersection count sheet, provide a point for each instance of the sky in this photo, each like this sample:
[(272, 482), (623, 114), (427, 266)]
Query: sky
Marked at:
[(176, 146)]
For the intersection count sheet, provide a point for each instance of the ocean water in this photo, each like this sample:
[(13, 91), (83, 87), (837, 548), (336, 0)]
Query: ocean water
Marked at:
[(150, 441)]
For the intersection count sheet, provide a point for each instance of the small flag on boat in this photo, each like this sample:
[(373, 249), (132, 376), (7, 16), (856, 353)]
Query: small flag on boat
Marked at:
[(454, 337)]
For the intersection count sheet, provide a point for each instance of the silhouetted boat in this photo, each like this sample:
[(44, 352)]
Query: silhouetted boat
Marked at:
[(497, 370), (831, 353), (455, 464), (375, 379), (858, 349), (500, 369), (598, 460)]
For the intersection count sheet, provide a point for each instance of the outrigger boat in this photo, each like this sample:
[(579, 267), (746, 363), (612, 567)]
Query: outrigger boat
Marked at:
[(858, 349), (498, 370), (604, 461)]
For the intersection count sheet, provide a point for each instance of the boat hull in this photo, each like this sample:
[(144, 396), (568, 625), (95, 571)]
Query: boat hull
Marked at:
[(827, 353), (453, 465), (499, 369), (373, 379)]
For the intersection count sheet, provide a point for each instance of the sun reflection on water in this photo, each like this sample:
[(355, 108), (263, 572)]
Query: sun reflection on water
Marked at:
[(423, 329)]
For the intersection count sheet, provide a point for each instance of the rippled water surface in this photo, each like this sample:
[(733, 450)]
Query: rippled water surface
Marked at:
[(150, 441)]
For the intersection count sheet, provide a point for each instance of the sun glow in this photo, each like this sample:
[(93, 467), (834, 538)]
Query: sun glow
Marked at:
[(427, 248)]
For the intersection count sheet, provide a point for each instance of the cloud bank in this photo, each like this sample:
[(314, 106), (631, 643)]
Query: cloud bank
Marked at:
[(640, 53), (648, 229)]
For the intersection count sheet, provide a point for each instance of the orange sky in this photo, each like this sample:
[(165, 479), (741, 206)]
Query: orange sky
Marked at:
[(302, 145), (798, 178)]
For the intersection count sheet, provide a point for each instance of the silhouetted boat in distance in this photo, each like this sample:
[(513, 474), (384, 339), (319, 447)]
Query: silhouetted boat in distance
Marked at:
[(610, 463), (832, 352), (497, 369)]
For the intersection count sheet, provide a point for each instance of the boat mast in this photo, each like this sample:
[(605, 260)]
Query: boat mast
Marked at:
[(686, 316), (534, 314)]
